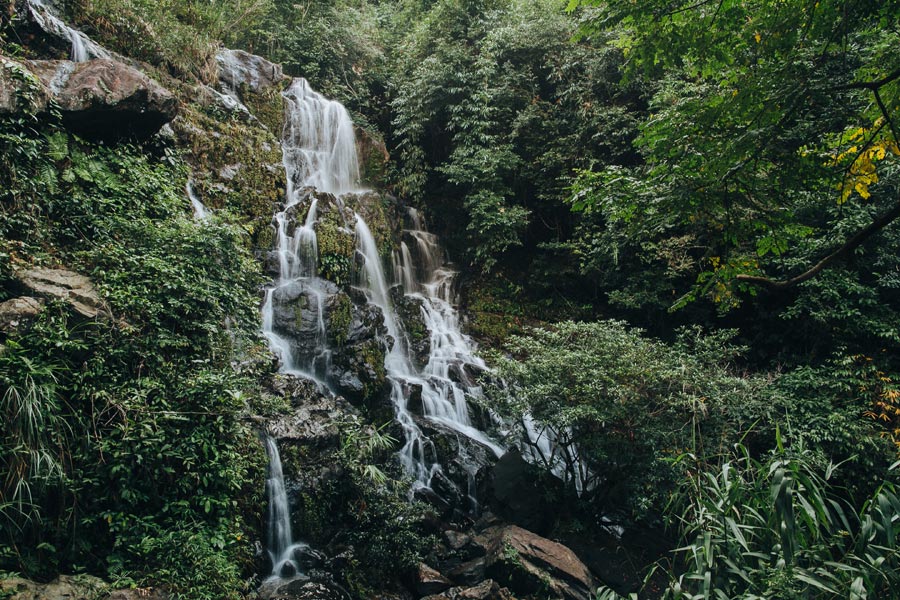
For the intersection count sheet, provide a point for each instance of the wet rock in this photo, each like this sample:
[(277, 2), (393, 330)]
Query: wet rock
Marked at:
[(310, 590), (357, 368), (138, 594), (106, 99), (308, 558), (313, 420), (518, 491), (486, 590), (418, 338), (366, 323), (430, 581), (287, 570), (18, 313), (297, 390), (239, 70), (300, 314), (20, 90), (75, 289), (465, 462), (530, 564)]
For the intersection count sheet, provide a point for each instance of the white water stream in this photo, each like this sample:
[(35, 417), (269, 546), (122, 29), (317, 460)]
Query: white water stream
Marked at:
[(445, 380), (319, 150), (201, 213), (281, 546), (83, 47)]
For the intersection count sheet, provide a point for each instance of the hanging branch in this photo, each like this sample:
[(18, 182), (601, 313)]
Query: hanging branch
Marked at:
[(861, 236), (848, 247)]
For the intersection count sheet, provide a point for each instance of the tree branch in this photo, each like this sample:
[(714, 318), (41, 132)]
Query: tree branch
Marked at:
[(848, 247), (870, 85)]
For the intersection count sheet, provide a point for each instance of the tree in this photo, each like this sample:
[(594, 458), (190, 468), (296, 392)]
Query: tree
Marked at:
[(771, 139)]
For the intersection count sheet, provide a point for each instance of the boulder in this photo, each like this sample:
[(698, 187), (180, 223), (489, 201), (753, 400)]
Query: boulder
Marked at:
[(486, 590), (469, 572), (17, 314), (240, 70), (418, 338), (522, 493), (64, 587), (301, 588), (357, 368), (76, 290), (530, 564), (313, 422), (465, 464), (106, 99), (297, 307), (430, 581), (20, 89)]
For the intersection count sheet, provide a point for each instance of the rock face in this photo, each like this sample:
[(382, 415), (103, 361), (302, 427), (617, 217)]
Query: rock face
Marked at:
[(80, 587), (75, 289), (239, 70), (313, 420), (19, 89), (357, 368), (106, 99), (17, 313), (530, 564)]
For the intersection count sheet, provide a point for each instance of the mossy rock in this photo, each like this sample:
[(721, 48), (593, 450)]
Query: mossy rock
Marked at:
[(267, 106), (339, 317), (236, 165)]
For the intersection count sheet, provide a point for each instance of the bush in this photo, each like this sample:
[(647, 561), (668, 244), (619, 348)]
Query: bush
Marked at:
[(632, 403)]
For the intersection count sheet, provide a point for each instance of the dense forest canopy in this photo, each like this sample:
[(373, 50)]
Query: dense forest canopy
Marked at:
[(677, 230)]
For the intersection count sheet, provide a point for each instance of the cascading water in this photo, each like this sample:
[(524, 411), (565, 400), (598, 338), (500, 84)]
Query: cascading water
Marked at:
[(83, 47), (558, 452), (320, 142), (281, 547), (319, 150), (201, 213), (444, 397)]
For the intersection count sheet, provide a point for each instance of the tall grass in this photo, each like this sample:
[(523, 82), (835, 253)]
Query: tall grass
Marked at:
[(33, 451), (778, 529)]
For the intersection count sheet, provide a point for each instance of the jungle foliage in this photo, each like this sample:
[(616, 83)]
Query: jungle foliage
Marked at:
[(125, 453), (718, 177)]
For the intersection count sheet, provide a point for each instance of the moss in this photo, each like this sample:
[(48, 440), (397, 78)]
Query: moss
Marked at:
[(381, 214), (337, 247), (339, 319), (373, 155), (373, 355), (267, 106), (235, 165)]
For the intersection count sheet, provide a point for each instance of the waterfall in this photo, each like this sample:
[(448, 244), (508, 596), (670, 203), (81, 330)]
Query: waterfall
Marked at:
[(318, 150), (318, 138), (201, 213), (444, 397), (281, 547), (83, 47)]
